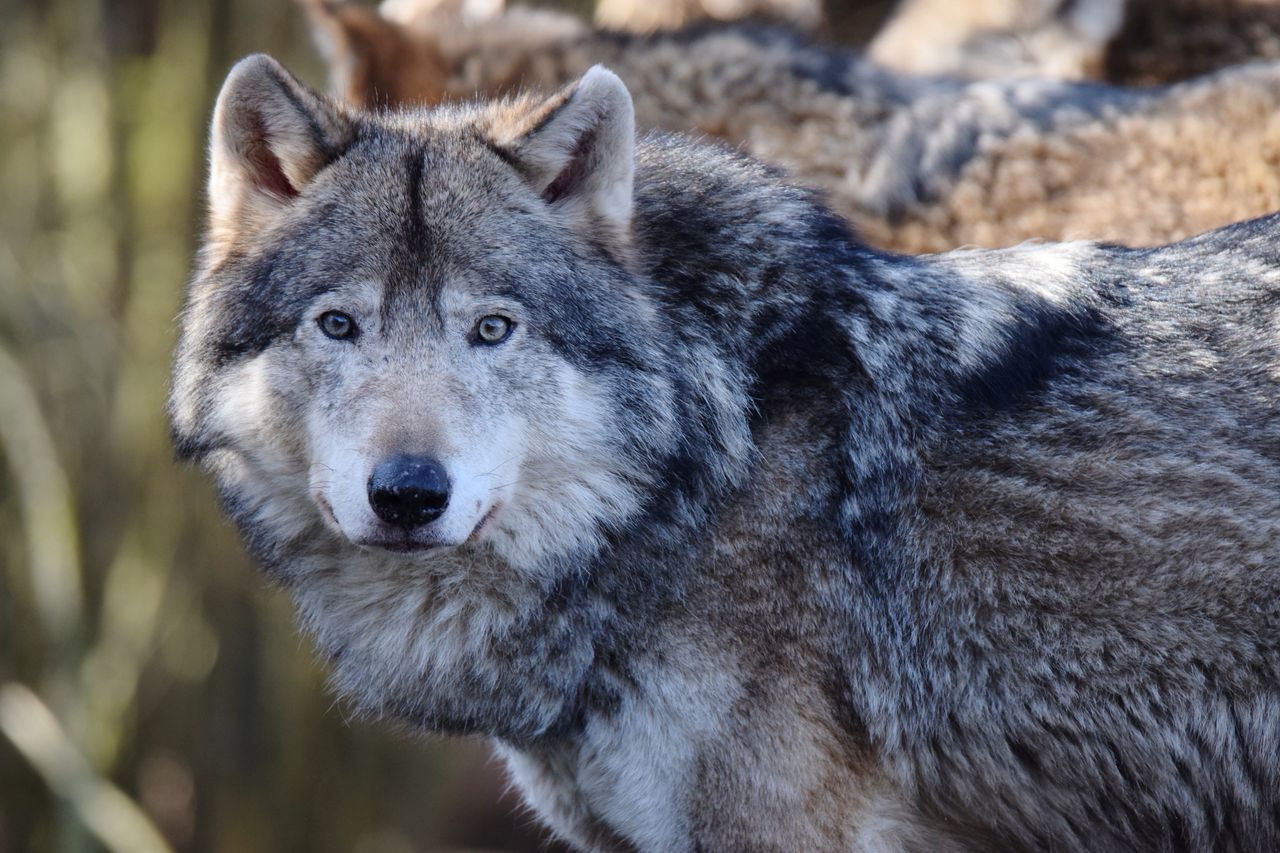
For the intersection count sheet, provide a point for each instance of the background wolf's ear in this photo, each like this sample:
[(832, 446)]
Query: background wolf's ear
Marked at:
[(577, 150), (377, 58), (270, 137)]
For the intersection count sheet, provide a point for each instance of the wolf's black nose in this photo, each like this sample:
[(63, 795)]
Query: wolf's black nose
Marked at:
[(409, 491)]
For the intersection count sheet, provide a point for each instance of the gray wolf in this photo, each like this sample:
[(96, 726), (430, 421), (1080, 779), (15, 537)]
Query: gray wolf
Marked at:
[(730, 532), (1133, 42), (917, 163)]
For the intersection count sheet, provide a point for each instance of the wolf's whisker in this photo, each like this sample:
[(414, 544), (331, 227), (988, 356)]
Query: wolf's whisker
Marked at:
[(499, 465)]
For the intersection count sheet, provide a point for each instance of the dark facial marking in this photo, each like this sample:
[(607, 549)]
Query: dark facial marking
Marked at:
[(256, 300), (415, 233)]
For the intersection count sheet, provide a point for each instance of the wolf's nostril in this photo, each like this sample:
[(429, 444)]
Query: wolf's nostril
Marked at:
[(409, 491)]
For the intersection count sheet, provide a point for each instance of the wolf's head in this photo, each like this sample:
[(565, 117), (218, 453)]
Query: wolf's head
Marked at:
[(422, 331)]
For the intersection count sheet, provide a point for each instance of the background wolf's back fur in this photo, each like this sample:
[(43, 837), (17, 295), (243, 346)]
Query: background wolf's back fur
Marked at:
[(1195, 158), (993, 38), (650, 15), (1132, 42), (918, 164)]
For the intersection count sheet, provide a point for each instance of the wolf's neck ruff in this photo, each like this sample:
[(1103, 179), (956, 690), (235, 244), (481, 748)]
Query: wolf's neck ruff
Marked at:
[(729, 481)]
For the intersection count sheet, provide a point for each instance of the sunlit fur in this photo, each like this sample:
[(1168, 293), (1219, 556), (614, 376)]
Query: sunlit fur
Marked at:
[(1063, 39), (1136, 42), (795, 545)]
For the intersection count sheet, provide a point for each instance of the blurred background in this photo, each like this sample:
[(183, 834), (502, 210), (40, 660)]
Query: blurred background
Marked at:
[(154, 693)]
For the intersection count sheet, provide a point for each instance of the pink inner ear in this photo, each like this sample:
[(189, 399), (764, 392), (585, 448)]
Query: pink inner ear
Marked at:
[(564, 184), (267, 171), (571, 176)]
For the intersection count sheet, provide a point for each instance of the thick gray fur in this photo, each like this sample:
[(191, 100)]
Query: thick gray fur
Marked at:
[(970, 551)]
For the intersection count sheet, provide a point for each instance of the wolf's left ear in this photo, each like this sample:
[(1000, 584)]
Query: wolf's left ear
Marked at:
[(271, 136), (577, 150)]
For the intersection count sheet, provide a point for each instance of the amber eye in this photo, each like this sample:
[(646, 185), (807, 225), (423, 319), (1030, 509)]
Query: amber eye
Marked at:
[(493, 329), (337, 325)]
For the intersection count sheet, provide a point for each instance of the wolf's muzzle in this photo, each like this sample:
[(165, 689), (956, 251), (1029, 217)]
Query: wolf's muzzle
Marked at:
[(409, 491)]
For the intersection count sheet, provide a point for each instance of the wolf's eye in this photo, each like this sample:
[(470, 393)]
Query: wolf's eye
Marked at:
[(493, 329), (337, 325)]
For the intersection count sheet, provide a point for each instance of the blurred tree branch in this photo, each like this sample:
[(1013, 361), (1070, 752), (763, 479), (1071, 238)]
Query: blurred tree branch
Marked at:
[(111, 816)]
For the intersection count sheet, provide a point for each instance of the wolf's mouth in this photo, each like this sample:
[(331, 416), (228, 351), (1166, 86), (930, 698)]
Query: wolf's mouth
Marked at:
[(326, 512), (422, 539), (475, 531), (402, 546)]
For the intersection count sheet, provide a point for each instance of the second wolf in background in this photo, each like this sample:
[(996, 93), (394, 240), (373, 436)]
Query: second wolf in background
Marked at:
[(917, 163)]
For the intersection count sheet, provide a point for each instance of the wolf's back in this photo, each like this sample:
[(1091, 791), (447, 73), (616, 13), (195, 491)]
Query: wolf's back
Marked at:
[(1109, 541)]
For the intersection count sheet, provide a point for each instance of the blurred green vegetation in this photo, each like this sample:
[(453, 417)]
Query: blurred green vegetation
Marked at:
[(168, 675), (153, 691)]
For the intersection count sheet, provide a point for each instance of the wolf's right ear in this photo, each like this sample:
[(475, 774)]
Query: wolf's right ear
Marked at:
[(270, 137)]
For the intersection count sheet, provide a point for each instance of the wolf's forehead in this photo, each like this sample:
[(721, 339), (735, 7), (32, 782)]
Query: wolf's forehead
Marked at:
[(424, 198), (420, 213), (426, 167), (433, 296)]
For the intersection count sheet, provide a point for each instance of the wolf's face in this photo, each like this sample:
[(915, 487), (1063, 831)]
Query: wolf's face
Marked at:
[(421, 332), (433, 414)]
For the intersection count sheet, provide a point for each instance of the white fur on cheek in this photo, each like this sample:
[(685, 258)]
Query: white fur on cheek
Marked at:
[(573, 482), (482, 480), (266, 465), (340, 451)]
